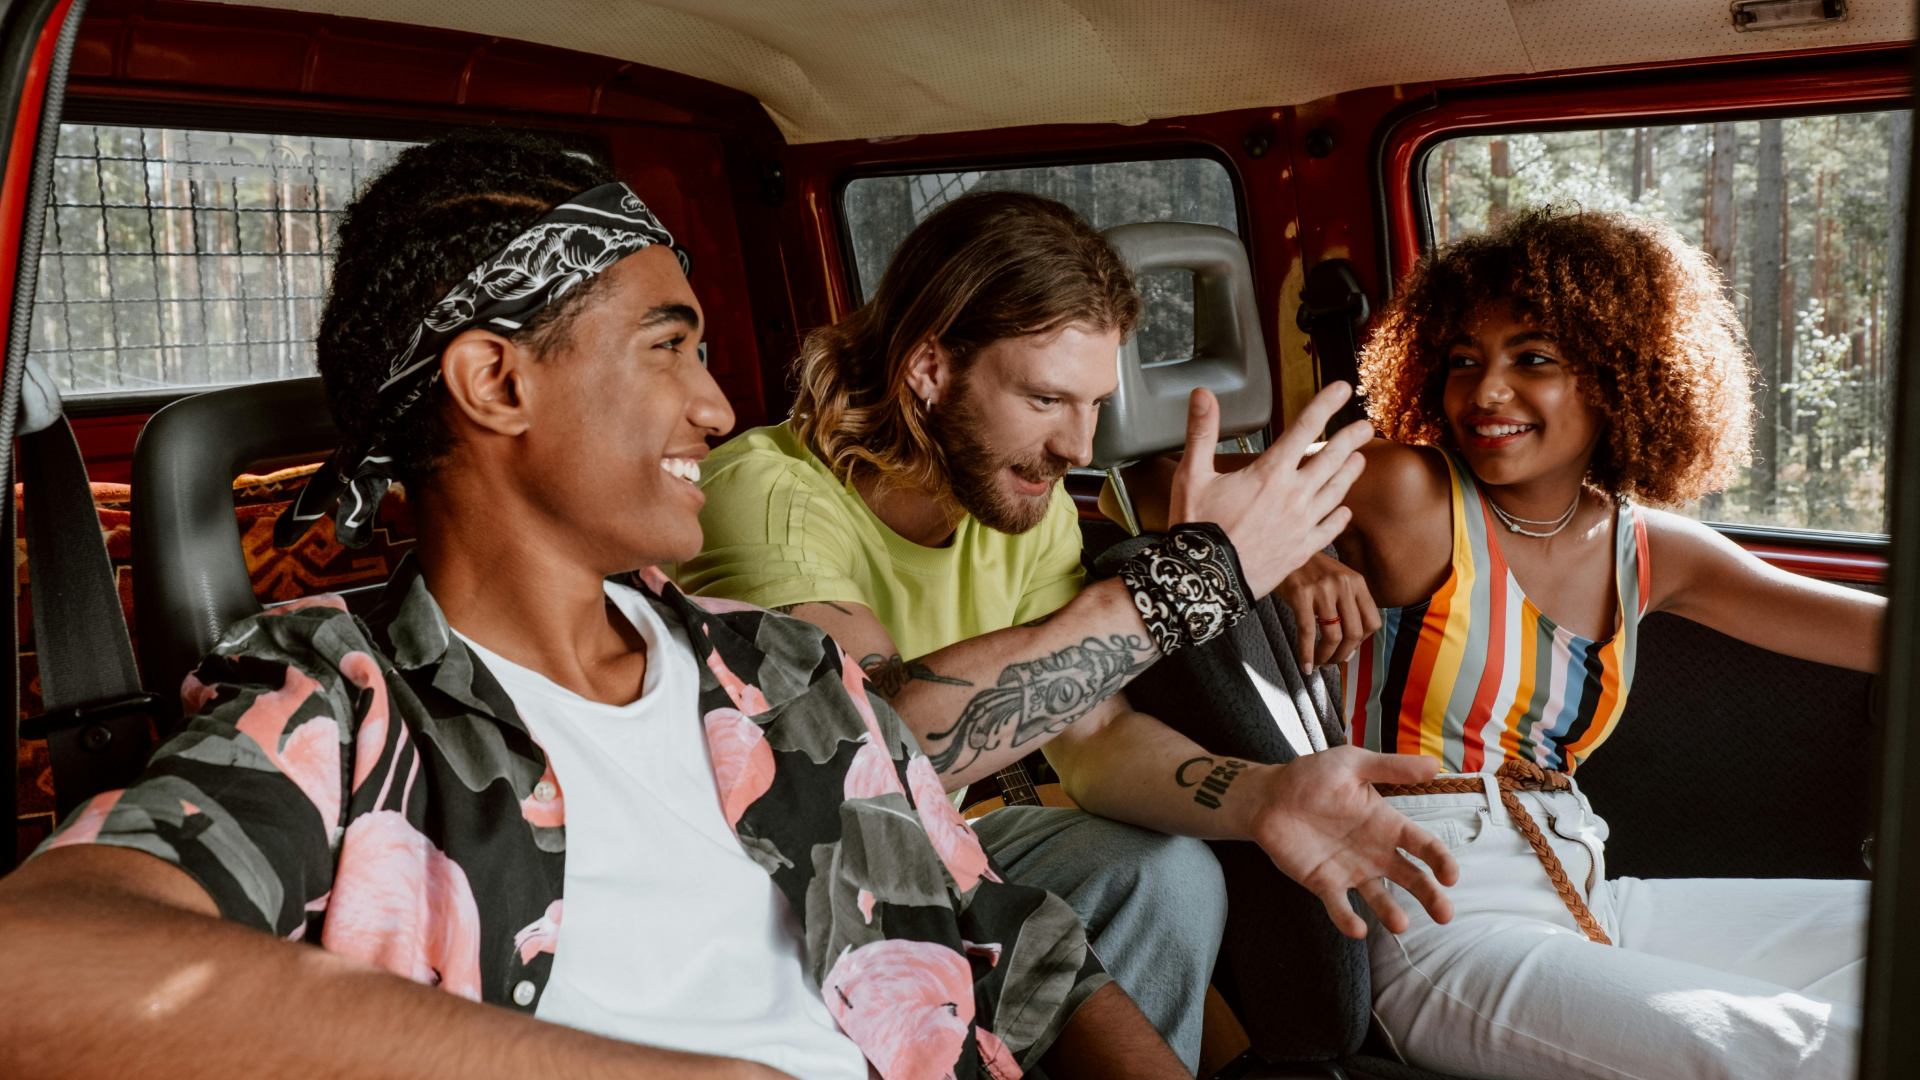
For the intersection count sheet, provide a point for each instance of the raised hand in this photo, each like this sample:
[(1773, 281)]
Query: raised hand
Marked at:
[(1333, 608), (1281, 509), (1320, 821)]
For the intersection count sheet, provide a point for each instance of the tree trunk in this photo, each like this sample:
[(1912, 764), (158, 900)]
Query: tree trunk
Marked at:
[(1718, 231), (1720, 214), (1763, 313), (1639, 162), (1499, 182), (1899, 153)]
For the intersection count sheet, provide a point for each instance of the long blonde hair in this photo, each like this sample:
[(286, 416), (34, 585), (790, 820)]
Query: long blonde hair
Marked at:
[(983, 268)]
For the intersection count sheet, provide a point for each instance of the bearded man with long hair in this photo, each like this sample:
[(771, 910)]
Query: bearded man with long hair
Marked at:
[(912, 508)]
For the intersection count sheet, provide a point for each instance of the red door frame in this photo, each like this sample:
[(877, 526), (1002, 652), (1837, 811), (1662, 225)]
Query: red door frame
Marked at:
[(19, 169), (1749, 89)]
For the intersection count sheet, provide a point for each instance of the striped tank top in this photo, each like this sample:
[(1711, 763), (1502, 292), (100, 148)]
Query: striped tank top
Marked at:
[(1475, 674)]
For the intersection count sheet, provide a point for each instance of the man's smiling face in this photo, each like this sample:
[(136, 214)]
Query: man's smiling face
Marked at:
[(620, 416), (1020, 415)]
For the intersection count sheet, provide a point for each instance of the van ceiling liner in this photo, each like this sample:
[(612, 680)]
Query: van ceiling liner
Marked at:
[(864, 69)]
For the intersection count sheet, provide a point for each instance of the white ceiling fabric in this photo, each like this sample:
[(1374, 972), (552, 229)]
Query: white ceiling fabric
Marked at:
[(844, 69)]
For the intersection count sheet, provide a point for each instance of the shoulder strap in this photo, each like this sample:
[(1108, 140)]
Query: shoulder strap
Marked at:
[(1631, 560), (97, 720)]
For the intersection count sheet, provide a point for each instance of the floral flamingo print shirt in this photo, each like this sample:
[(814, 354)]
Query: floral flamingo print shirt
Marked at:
[(367, 786)]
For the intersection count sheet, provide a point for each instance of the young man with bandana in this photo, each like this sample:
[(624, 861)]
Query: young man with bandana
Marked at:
[(536, 783), (912, 508)]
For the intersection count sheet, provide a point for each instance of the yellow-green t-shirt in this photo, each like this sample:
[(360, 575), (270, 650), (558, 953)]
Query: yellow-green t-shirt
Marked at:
[(780, 529)]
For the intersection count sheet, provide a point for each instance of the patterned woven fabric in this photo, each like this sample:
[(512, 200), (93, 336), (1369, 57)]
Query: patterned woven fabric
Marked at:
[(315, 565)]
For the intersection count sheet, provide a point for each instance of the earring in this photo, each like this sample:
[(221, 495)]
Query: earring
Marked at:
[(929, 402)]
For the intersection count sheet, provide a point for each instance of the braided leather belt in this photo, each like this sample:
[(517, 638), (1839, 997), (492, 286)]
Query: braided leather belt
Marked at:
[(1517, 775)]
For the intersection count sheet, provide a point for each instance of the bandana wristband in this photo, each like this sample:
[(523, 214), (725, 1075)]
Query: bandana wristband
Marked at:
[(1188, 588), (572, 243)]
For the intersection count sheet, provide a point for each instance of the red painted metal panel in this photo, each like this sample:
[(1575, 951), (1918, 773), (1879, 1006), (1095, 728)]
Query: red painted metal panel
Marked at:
[(26, 129), (108, 444), (1828, 565), (350, 63), (516, 75), (178, 46)]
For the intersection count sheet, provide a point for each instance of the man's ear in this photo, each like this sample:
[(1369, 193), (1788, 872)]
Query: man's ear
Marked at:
[(484, 373), (930, 372)]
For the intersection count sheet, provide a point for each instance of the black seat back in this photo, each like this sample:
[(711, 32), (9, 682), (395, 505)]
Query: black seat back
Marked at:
[(1731, 761), (190, 579), (1300, 987)]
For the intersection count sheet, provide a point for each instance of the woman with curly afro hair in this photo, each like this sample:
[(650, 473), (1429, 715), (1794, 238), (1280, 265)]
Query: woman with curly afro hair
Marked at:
[(1539, 387)]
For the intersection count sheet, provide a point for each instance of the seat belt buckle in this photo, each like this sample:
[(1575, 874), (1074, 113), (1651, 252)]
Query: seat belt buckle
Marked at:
[(95, 746)]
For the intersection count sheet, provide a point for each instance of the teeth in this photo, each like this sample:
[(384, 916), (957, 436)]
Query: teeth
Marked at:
[(685, 468), (1495, 431)]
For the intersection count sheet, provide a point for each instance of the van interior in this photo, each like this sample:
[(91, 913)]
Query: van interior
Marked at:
[(175, 170)]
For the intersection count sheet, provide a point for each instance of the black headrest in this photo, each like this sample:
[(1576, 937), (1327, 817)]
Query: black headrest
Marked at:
[(190, 579)]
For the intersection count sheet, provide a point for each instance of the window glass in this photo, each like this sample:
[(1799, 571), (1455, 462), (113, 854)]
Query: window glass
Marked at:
[(1806, 217), (189, 258)]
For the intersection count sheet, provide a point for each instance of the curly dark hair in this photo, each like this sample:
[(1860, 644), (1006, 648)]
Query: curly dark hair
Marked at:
[(412, 234), (1642, 318)]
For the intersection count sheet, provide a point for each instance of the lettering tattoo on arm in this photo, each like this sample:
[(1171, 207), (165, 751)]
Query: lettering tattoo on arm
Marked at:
[(1041, 697), (1211, 778), (890, 674)]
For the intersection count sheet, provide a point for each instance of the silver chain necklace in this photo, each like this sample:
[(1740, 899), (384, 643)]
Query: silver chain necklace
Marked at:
[(1513, 523)]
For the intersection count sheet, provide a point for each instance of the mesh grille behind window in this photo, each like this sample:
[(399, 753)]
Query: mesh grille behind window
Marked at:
[(189, 258)]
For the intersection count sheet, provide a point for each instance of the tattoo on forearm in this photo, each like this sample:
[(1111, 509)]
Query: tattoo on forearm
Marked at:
[(1041, 697), (1212, 778), (890, 674), (788, 609)]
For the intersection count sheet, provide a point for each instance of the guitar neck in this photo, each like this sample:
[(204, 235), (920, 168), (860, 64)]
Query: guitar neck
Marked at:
[(1016, 787)]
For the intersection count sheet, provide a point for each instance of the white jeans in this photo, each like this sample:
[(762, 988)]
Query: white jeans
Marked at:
[(1742, 979)]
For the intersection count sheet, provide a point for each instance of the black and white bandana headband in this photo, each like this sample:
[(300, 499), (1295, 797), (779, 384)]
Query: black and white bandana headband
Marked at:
[(579, 238)]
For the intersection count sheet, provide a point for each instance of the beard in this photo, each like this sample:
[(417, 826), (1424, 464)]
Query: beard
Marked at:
[(974, 467)]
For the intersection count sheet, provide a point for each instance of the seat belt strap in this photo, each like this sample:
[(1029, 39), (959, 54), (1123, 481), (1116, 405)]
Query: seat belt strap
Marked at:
[(12, 387), (1333, 307), (97, 718)]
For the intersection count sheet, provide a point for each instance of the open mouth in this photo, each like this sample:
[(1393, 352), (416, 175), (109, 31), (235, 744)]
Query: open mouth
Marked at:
[(685, 468), (1026, 485), (1492, 434)]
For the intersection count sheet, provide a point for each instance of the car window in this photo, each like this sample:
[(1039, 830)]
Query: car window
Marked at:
[(176, 258), (881, 210), (1806, 217)]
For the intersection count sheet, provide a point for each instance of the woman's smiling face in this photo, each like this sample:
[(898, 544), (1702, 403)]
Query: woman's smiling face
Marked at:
[(1513, 401)]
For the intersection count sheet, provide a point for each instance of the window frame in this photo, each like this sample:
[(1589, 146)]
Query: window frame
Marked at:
[(1871, 79), (1105, 155), (116, 111)]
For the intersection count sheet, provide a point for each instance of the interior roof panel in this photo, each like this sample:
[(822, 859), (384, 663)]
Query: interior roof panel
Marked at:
[(855, 69)]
